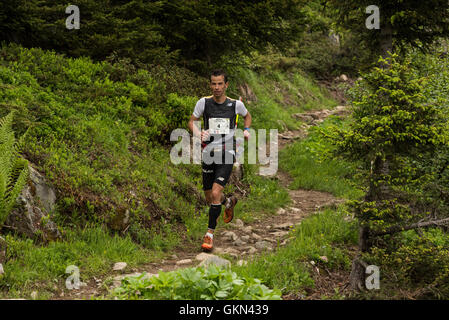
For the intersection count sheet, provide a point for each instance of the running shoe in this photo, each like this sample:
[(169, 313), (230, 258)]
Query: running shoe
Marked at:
[(229, 209), (207, 243)]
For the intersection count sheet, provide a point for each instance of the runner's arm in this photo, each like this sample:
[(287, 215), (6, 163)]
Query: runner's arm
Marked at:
[(248, 120), (194, 129)]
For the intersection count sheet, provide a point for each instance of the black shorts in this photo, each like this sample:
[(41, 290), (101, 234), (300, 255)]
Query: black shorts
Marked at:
[(216, 172)]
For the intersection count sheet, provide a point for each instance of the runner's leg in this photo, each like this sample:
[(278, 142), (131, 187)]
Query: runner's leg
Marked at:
[(215, 208), (208, 195)]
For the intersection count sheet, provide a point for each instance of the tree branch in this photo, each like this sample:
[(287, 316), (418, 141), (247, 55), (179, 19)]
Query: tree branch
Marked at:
[(417, 225)]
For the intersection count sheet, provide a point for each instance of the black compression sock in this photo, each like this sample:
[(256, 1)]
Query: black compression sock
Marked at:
[(214, 213)]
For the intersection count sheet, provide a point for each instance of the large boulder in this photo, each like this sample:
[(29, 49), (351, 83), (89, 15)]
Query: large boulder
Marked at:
[(35, 203), (246, 93)]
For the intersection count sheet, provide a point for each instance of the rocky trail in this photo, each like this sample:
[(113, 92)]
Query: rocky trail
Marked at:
[(239, 241)]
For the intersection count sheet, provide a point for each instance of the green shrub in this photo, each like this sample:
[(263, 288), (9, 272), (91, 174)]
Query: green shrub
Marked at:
[(212, 283), (417, 262), (178, 111), (99, 131)]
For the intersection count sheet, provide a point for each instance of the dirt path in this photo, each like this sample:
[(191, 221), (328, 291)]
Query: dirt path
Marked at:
[(239, 241)]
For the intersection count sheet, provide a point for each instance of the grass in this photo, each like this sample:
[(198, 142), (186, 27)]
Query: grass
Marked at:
[(280, 95), (288, 268), (312, 165), (30, 266)]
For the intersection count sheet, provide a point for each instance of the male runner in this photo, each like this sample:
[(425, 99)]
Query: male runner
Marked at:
[(219, 114)]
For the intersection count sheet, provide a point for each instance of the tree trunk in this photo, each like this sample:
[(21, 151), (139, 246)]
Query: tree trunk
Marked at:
[(375, 193), (209, 61), (357, 277)]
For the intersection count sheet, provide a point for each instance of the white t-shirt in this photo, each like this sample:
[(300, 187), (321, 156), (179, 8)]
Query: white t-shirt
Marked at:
[(199, 108)]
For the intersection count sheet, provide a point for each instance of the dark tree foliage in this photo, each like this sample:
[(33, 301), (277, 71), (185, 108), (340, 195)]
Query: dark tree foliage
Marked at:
[(205, 30), (197, 34), (413, 22), (127, 28)]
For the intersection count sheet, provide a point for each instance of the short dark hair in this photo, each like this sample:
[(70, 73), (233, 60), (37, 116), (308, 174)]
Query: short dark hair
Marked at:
[(219, 72)]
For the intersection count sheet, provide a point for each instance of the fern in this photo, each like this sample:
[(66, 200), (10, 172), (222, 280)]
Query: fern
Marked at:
[(13, 168)]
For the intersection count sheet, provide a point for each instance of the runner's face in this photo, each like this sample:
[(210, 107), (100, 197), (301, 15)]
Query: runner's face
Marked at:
[(218, 86)]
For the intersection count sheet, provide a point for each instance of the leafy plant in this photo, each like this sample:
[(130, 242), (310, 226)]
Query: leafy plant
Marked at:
[(13, 168), (212, 283)]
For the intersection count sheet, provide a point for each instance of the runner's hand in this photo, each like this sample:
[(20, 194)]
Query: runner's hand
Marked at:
[(205, 135), (246, 134)]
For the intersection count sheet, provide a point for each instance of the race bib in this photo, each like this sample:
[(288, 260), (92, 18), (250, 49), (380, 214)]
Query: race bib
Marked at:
[(219, 125)]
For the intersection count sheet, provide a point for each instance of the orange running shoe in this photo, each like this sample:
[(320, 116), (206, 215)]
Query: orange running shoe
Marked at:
[(229, 210), (208, 242)]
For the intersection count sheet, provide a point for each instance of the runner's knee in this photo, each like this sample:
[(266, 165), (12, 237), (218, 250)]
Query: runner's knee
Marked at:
[(216, 195)]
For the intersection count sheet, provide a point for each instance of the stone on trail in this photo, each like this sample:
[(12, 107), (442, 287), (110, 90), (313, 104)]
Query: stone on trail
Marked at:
[(184, 261), (270, 239), (218, 250), (230, 235), (239, 223), (279, 234), (256, 236), (231, 251), (247, 229), (285, 226), (295, 210), (281, 211), (239, 242), (261, 245), (219, 262), (119, 266), (203, 256), (251, 250)]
